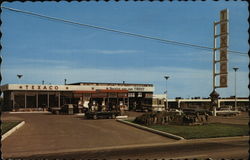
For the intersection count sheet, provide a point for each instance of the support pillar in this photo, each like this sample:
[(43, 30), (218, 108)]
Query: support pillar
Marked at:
[(25, 100), (13, 105), (128, 102), (108, 101), (47, 100), (179, 103), (36, 100), (59, 98)]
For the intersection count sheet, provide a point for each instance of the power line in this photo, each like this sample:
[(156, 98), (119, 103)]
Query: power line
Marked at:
[(117, 31)]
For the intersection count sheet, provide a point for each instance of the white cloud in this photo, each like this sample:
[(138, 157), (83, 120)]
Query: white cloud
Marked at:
[(117, 51), (43, 61), (183, 82), (97, 51)]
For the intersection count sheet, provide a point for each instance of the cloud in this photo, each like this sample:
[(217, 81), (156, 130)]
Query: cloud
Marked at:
[(117, 51), (183, 82), (51, 61), (95, 51), (67, 51)]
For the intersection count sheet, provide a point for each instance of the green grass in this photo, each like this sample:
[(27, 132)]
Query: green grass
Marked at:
[(7, 125), (204, 131)]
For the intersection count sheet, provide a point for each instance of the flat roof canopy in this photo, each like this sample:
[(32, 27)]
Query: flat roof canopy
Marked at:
[(37, 87)]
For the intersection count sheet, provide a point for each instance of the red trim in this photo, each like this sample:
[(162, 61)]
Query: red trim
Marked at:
[(84, 91), (103, 91), (112, 91)]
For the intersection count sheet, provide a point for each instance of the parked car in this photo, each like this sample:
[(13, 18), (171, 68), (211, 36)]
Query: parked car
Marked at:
[(102, 114)]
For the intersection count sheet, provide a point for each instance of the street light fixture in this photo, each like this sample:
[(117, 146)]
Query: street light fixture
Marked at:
[(19, 76), (166, 77), (235, 100)]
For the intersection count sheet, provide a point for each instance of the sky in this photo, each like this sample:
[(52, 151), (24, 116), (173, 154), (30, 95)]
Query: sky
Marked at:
[(42, 49)]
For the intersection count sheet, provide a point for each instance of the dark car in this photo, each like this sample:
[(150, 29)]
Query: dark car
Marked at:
[(102, 114)]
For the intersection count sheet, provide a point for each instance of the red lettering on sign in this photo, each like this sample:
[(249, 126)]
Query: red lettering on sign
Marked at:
[(32, 87), (50, 87), (56, 87), (38, 87), (44, 87), (27, 86)]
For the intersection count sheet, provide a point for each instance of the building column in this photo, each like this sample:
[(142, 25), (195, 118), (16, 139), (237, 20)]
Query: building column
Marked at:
[(104, 101), (59, 98), (36, 100), (25, 100), (128, 102), (47, 100), (179, 103), (117, 100), (13, 105), (108, 101), (219, 103)]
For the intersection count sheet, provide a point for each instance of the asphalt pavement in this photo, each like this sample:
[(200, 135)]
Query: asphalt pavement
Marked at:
[(72, 137), (217, 148), (48, 134)]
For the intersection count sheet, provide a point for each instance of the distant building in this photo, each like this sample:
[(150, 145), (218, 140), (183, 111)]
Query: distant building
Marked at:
[(205, 103), (159, 101)]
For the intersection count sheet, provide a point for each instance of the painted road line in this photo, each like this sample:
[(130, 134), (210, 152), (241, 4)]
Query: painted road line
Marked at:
[(12, 130), (169, 135), (121, 117)]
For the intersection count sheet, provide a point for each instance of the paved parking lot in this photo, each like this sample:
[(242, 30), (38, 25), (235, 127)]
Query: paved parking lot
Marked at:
[(243, 118), (46, 133)]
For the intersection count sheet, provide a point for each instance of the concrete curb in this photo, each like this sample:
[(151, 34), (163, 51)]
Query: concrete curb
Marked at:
[(165, 134), (29, 112), (12, 130)]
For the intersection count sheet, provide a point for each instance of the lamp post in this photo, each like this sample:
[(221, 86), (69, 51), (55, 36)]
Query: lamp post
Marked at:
[(19, 76), (235, 101), (166, 77)]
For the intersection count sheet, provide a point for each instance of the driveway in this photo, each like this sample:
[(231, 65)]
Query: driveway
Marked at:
[(47, 133)]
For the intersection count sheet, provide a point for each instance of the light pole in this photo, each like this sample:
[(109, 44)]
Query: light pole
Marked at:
[(19, 76), (235, 101), (166, 77)]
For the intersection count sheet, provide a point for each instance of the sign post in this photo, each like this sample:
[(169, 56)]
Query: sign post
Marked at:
[(222, 61)]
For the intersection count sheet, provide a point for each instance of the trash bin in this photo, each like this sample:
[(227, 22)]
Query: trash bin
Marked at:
[(70, 109)]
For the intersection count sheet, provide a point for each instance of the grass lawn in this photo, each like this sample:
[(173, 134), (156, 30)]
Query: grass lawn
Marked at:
[(7, 125), (204, 131)]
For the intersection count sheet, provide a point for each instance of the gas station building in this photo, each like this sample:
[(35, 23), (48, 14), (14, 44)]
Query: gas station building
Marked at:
[(32, 97)]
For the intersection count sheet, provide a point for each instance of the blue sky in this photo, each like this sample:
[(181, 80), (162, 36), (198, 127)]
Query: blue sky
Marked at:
[(48, 50)]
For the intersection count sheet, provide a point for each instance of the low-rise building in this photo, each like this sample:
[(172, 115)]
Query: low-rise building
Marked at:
[(42, 97)]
